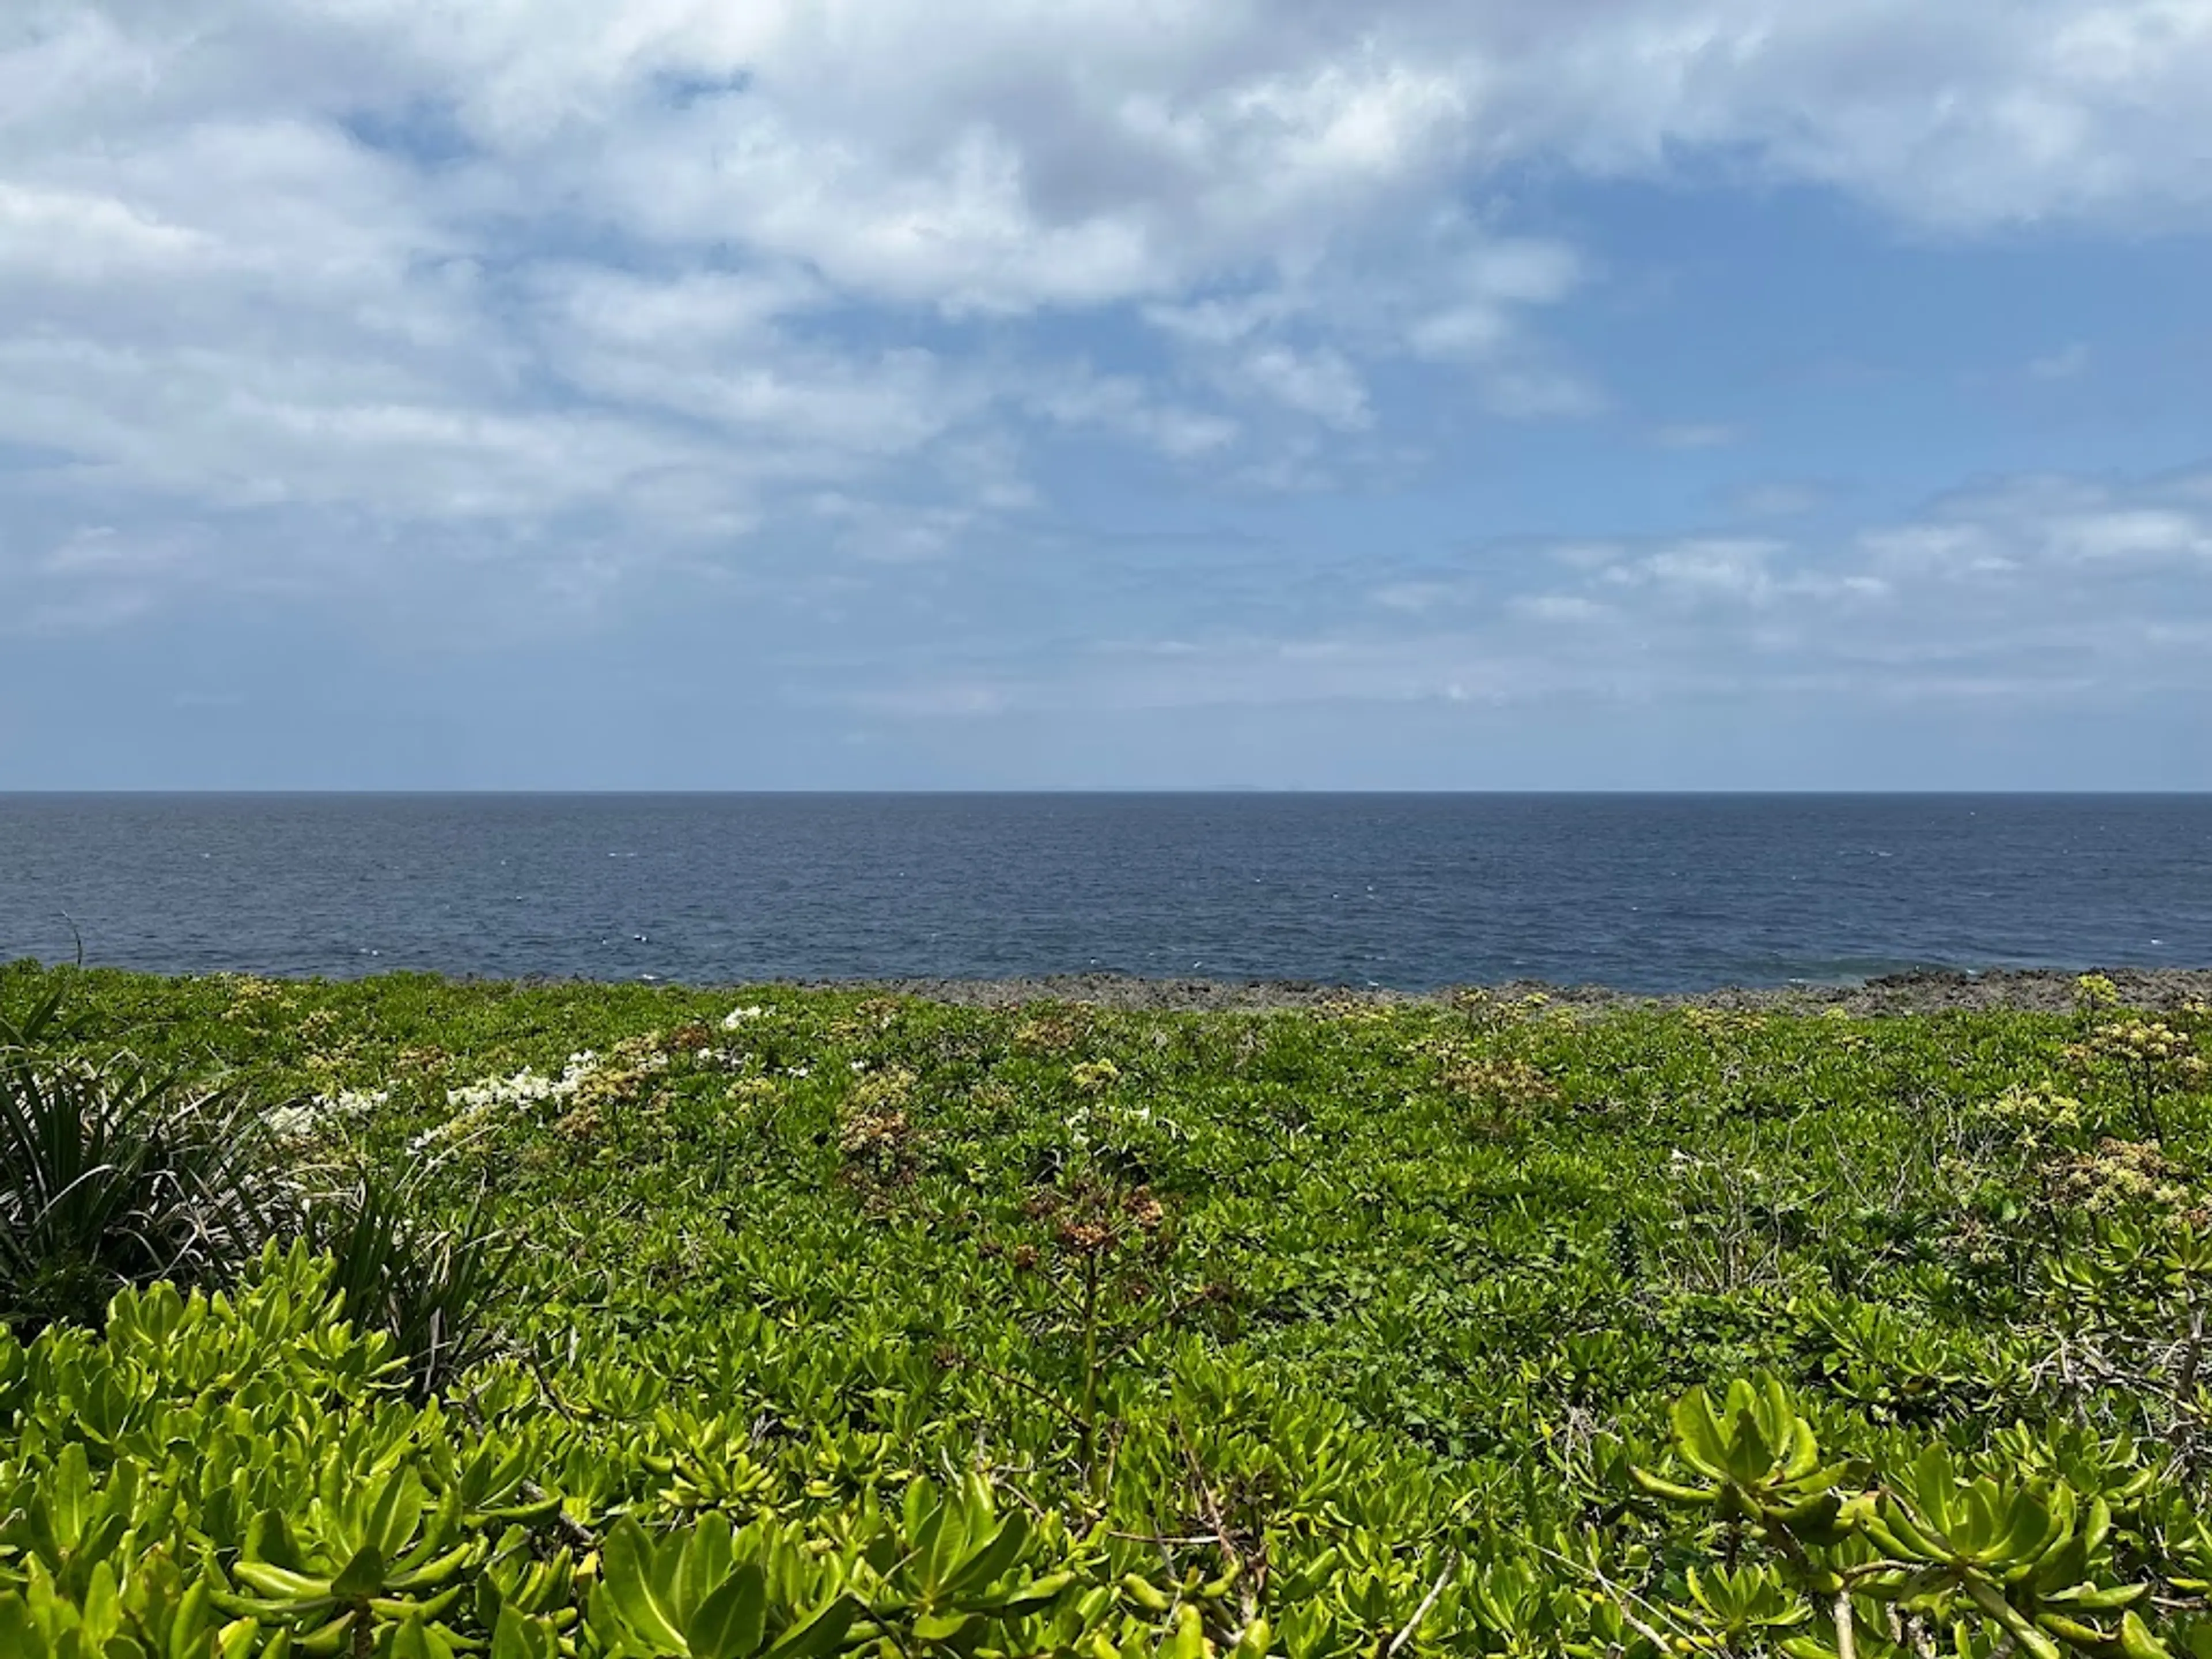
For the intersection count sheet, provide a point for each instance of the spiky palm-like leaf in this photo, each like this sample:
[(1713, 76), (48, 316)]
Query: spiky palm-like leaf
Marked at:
[(25, 1030), (112, 1174), (429, 1285)]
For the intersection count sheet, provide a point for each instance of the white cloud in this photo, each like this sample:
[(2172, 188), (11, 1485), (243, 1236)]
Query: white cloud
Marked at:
[(75, 234), (669, 268), (1321, 384), (2039, 590), (2053, 529), (1038, 154), (1559, 607), (2157, 534), (1079, 396), (1471, 303), (1717, 568)]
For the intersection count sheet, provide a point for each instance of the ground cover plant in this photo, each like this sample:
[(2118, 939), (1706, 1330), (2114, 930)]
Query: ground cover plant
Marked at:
[(651, 1321)]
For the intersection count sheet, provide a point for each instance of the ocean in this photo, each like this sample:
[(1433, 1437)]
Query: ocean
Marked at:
[(1652, 893)]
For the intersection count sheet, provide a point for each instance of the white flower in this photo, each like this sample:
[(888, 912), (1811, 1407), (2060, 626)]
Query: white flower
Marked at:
[(303, 1119), (294, 1122), (474, 1102), (737, 1017)]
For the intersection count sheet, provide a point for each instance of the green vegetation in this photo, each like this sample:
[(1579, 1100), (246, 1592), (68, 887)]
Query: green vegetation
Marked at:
[(609, 1321)]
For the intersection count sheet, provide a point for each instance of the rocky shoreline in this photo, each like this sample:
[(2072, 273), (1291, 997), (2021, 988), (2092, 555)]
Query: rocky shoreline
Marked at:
[(1921, 991)]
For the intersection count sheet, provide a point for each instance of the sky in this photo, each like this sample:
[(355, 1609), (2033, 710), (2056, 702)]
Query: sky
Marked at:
[(1459, 394)]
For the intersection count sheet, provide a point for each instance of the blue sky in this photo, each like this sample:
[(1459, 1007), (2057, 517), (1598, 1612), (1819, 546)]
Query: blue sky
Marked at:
[(1625, 394)]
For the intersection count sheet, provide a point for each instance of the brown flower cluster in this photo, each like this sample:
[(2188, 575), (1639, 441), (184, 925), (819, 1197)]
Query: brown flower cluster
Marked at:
[(873, 1132), (1095, 1219), (1055, 1031), (1500, 1081), (2118, 1175)]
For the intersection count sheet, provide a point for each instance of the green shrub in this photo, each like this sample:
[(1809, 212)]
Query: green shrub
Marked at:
[(936, 1333), (236, 1476)]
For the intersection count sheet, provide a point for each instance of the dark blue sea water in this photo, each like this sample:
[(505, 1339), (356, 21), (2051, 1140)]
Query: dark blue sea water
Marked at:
[(1643, 892)]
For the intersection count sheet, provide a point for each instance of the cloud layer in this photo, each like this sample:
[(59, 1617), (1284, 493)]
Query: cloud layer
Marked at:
[(362, 301)]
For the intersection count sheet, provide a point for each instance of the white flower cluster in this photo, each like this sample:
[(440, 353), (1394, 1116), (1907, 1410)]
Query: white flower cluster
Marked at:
[(473, 1102), (527, 1087), (1108, 1119), (737, 1017), (304, 1120)]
